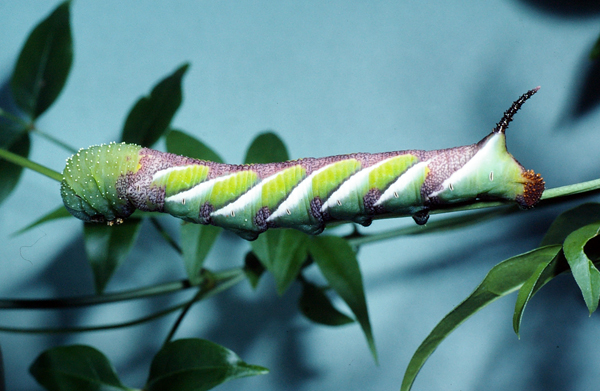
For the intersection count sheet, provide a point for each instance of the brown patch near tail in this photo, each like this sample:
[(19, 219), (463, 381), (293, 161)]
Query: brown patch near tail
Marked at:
[(533, 189)]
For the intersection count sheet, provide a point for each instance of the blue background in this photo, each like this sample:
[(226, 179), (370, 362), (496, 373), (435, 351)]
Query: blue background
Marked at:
[(329, 78)]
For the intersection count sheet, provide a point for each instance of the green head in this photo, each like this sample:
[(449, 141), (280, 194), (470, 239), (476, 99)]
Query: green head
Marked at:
[(89, 187)]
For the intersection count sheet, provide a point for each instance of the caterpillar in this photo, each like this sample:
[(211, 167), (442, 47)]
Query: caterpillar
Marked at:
[(106, 183)]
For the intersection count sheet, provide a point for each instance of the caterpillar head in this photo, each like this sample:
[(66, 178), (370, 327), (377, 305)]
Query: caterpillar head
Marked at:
[(89, 189)]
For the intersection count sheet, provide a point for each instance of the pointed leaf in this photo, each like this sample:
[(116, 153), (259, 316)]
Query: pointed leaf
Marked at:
[(107, 247), (595, 52), (266, 148), (150, 117), (502, 279), (571, 220), (57, 213), (292, 252), (337, 261), (196, 242), (11, 127), (44, 63), (181, 143), (316, 306), (265, 247), (585, 273), (9, 172), (253, 269), (75, 368), (282, 252), (196, 365), (546, 271)]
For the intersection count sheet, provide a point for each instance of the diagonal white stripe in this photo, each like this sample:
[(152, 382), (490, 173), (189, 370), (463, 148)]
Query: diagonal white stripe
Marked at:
[(403, 182), (347, 188)]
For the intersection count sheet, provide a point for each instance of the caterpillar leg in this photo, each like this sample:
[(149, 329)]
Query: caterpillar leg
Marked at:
[(244, 234), (421, 216)]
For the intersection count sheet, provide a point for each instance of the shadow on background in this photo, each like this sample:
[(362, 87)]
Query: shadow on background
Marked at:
[(586, 92), (241, 322), (585, 95), (543, 358), (566, 8), (69, 274)]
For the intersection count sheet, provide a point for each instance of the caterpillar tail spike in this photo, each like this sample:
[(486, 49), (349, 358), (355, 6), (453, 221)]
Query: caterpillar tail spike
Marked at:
[(107, 183)]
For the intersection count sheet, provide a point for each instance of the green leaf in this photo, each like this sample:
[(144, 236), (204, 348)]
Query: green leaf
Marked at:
[(253, 268), (150, 117), (282, 252), (11, 127), (266, 148), (595, 52), (545, 271), (183, 144), (57, 213), (196, 242), (44, 63), (196, 365), (107, 247), (570, 221), (585, 273), (339, 265), (9, 172), (502, 279), (316, 306), (75, 368)]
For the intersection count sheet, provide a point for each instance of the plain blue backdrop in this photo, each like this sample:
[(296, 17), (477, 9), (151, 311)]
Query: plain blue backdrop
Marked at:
[(329, 78)]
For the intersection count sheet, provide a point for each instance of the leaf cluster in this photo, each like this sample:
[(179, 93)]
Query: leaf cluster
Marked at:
[(41, 72)]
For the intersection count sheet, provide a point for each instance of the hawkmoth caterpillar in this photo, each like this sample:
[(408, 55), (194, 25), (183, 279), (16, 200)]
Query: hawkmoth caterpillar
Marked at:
[(107, 183)]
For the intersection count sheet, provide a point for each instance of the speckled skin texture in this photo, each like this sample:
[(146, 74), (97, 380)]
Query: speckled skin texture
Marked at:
[(499, 177)]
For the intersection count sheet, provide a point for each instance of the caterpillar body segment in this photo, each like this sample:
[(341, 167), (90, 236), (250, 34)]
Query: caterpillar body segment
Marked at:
[(108, 182)]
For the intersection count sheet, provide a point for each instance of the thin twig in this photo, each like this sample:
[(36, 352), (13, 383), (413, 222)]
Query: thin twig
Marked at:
[(24, 162), (227, 279), (54, 140), (81, 301)]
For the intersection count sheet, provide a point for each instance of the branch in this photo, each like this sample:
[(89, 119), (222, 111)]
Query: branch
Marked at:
[(24, 162)]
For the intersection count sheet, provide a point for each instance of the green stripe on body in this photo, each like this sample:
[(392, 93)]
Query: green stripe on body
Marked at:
[(325, 182), (406, 199), (240, 215), (386, 173), (231, 188), (350, 204), (276, 190), (321, 185), (218, 192), (182, 178)]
